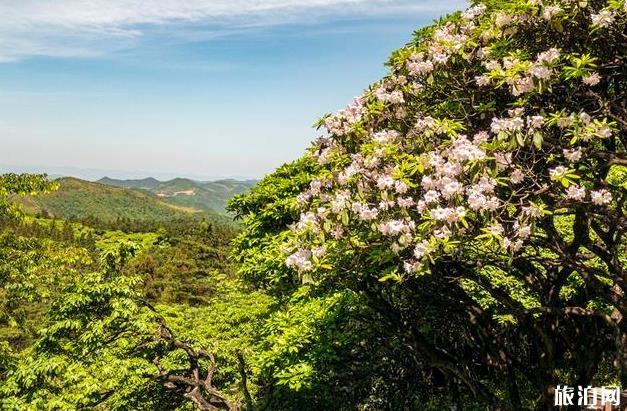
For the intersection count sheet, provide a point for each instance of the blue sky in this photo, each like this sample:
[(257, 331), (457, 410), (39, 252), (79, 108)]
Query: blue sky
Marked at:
[(198, 88)]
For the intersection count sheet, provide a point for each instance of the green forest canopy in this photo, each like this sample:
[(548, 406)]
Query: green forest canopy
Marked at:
[(456, 239)]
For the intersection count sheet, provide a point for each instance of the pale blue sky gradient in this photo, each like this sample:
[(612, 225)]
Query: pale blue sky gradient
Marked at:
[(212, 89)]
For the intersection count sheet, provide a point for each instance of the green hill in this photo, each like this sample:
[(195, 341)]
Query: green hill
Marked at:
[(202, 195), (143, 184), (78, 199)]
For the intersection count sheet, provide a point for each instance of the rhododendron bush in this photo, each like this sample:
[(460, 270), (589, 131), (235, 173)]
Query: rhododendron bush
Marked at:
[(474, 200)]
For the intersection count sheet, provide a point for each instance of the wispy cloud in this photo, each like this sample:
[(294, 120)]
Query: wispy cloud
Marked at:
[(88, 28)]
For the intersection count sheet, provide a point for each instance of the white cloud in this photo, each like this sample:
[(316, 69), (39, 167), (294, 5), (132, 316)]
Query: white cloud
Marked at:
[(70, 28)]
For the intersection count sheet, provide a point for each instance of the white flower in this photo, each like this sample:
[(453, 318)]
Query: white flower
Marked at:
[(385, 182), (592, 79), (512, 245), (604, 18), (533, 211), (424, 123), (492, 65), (558, 172), (572, 155), (440, 213), (482, 80), (503, 160), (450, 189), (585, 117), (405, 202), (476, 201), (503, 19), (517, 176), (522, 85), (480, 138), (393, 97), (522, 231), (575, 192), (491, 204), (431, 196), (499, 125), (535, 121), (337, 233), (474, 11), (565, 122), (300, 260), (496, 229), (484, 185), (385, 136), (400, 187), (411, 267), (540, 71), (307, 221), (394, 227), (386, 205), (427, 183), (318, 251), (422, 249), (549, 56), (365, 213), (442, 232), (550, 11), (604, 132), (440, 58), (457, 214), (601, 197), (417, 68), (303, 198)]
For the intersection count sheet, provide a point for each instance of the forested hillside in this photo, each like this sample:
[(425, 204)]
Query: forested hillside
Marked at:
[(77, 199), (209, 196), (455, 240)]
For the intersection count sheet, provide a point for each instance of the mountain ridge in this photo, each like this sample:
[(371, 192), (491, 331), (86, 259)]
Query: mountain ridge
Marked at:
[(81, 199), (211, 196)]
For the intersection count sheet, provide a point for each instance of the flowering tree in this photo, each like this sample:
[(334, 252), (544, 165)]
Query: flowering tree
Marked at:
[(485, 176)]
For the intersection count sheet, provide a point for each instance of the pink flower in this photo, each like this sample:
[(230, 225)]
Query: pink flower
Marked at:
[(496, 229), (405, 202), (417, 68), (592, 79), (431, 196), (576, 193), (550, 11), (422, 249), (540, 71), (300, 260), (550, 56), (385, 182), (603, 18), (572, 155), (535, 121), (517, 176), (482, 80), (601, 197)]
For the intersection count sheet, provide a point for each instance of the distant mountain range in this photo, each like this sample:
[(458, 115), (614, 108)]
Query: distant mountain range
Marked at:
[(201, 195), (145, 199)]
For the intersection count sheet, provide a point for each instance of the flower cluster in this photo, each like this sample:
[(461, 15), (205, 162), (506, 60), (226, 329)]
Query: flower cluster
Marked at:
[(426, 185)]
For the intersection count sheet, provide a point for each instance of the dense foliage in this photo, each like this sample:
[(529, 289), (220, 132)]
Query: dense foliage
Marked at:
[(455, 240), (121, 314), (472, 205)]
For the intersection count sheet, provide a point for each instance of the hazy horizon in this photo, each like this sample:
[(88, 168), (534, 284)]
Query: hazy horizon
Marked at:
[(186, 88), (94, 174)]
